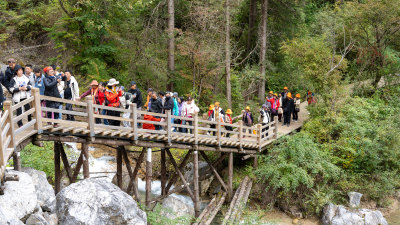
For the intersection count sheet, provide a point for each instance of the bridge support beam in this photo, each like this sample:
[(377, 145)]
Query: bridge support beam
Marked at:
[(163, 172), (149, 175), (196, 183), (57, 167), (85, 160), (17, 161), (119, 166)]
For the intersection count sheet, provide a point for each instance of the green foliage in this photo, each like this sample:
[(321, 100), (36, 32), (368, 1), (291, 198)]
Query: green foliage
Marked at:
[(39, 158), (157, 216)]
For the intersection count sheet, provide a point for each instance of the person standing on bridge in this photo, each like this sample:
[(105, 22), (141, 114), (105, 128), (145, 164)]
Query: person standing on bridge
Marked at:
[(38, 83), (265, 118), (296, 108), (228, 119), (29, 73), (247, 119), (189, 110), (147, 105), (97, 97), (51, 90), (71, 91), (288, 109), (136, 95), (175, 111), (20, 87), (9, 73), (112, 97), (156, 107)]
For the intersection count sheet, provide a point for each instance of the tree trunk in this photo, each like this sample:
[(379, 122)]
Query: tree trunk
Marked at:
[(228, 55), (264, 16), (171, 44), (252, 22)]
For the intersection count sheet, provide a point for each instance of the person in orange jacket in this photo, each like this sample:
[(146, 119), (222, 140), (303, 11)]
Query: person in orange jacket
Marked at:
[(112, 94), (149, 126), (228, 119)]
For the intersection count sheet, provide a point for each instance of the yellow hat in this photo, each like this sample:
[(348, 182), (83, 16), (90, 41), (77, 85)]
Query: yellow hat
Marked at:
[(247, 107), (289, 95), (285, 88), (297, 95), (271, 92), (216, 104), (275, 94), (211, 107), (229, 111)]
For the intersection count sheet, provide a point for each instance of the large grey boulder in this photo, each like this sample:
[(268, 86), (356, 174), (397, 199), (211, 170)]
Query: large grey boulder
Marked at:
[(52, 219), (96, 202), (44, 191), (176, 207), (19, 200), (354, 199), (339, 215)]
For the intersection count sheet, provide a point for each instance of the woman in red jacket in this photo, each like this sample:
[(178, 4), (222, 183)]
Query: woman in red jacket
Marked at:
[(274, 105), (112, 100), (97, 96)]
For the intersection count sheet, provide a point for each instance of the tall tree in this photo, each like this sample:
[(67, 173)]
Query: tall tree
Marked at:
[(228, 54), (252, 22), (264, 18), (171, 44)]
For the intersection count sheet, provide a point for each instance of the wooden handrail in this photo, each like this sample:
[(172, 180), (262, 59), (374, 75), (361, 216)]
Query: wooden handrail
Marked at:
[(20, 104), (8, 107)]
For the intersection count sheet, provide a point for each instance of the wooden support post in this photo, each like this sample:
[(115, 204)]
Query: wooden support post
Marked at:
[(17, 161), (119, 166), (77, 168), (276, 127), (57, 168), (219, 130), (196, 183), (163, 172), (240, 135), (90, 118), (221, 181), (65, 162), (38, 110), (133, 182), (85, 160), (230, 176), (259, 139), (175, 176), (7, 107), (149, 175), (169, 125), (255, 162), (196, 129), (134, 117), (178, 170), (129, 168)]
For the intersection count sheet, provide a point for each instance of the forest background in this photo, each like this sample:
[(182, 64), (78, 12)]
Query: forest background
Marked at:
[(233, 51)]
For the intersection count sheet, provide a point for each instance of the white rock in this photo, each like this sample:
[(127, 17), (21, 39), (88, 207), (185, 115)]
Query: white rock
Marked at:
[(354, 199), (19, 199), (97, 202), (44, 191), (36, 219), (339, 215), (175, 208)]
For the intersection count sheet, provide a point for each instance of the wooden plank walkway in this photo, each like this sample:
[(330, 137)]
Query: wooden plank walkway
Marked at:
[(243, 140)]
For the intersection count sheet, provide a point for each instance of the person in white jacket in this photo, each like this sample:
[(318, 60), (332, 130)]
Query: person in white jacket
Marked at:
[(71, 91), (20, 87), (189, 109)]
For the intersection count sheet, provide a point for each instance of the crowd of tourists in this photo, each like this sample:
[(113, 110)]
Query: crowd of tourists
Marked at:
[(18, 81)]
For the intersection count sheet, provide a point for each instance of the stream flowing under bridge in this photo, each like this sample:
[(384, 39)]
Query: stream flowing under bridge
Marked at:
[(248, 141)]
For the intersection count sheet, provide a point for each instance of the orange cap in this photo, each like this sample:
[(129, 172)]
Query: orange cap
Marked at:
[(289, 95), (285, 88), (297, 95), (229, 111)]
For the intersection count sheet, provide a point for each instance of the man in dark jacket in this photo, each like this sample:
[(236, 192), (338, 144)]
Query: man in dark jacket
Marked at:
[(288, 109), (51, 90), (10, 71), (169, 102), (136, 95), (156, 107)]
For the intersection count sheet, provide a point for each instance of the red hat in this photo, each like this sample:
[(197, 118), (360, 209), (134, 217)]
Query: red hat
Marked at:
[(46, 69)]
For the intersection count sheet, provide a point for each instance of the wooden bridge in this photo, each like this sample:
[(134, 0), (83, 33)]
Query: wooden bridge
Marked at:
[(245, 140)]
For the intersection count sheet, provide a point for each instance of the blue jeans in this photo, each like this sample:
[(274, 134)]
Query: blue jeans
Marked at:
[(105, 121)]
